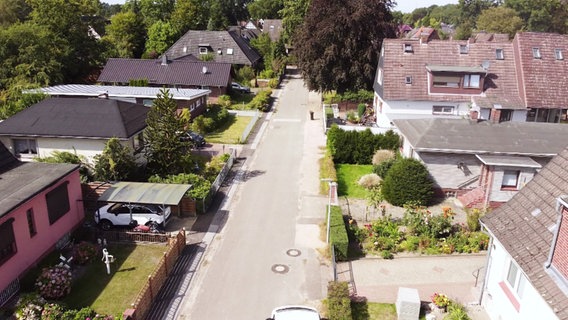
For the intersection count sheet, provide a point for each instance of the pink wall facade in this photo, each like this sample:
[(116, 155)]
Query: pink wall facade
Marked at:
[(31, 248)]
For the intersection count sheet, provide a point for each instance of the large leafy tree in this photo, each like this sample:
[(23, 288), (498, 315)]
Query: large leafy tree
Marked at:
[(116, 163), (500, 20), (155, 10), (127, 34), (190, 15), (265, 9), (338, 44), (12, 11), (164, 147), (470, 10), (542, 15), (161, 36), (225, 13), (293, 14)]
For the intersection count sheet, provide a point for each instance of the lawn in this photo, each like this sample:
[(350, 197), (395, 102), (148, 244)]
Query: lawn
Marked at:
[(240, 100), (231, 133), (347, 177), (112, 294)]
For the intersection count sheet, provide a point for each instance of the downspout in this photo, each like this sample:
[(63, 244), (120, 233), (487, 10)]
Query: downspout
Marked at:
[(487, 263)]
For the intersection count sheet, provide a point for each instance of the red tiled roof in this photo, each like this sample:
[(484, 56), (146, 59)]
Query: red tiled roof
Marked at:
[(545, 79), (175, 72), (501, 87), (527, 237)]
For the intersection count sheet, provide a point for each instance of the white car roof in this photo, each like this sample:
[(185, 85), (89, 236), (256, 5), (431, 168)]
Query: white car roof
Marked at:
[(295, 313)]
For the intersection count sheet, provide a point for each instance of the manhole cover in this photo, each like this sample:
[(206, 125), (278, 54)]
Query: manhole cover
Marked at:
[(293, 252), (280, 268)]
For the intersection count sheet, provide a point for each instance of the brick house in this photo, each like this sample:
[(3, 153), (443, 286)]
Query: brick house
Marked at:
[(181, 73), (481, 163), (527, 268)]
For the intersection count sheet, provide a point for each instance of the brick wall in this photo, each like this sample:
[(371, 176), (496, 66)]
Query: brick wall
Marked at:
[(560, 257)]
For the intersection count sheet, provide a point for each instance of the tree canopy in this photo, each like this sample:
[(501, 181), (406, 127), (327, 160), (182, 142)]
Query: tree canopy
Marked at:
[(338, 44), (500, 20)]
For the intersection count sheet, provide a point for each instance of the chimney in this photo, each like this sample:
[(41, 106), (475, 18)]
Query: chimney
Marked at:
[(164, 60), (557, 261)]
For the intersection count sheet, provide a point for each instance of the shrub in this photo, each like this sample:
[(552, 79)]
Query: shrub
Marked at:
[(52, 311), (338, 302), (261, 101), (472, 218), (406, 181), (29, 306), (84, 252), (383, 168), (85, 313), (266, 74), (214, 118), (352, 117), (361, 108), (214, 166), (54, 282), (273, 83), (382, 155), (199, 185), (456, 311), (369, 181), (224, 101), (338, 234), (244, 74)]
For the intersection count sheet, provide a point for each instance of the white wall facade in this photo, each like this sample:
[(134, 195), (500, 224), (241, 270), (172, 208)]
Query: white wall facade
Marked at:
[(498, 303), (497, 193), (387, 111)]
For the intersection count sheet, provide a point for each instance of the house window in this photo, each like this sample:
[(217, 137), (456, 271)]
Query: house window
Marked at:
[(219, 51), (536, 53), (57, 203), (31, 222), (229, 50), (148, 102), (516, 279), (464, 49), (443, 110), (471, 81), (407, 47), (380, 76), (7, 241), (408, 79), (506, 115), (510, 179), (447, 81), (499, 54), (25, 147), (192, 107), (203, 50), (558, 54), (198, 102)]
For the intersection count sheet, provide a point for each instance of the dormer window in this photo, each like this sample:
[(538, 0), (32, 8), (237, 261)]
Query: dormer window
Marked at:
[(499, 54), (219, 51), (408, 80), (536, 53), (558, 54), (203, 50), (464, 49), (407, 48)]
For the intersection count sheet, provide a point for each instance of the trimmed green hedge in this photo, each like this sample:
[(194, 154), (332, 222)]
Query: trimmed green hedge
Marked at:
[(358, 147), (338, 302), (338, 234)]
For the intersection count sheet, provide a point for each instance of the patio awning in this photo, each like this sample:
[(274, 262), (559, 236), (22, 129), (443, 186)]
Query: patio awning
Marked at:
[(146, 193), (508, 161)]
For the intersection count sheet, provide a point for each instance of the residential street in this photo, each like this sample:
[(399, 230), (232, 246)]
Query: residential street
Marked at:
[(264, 255)]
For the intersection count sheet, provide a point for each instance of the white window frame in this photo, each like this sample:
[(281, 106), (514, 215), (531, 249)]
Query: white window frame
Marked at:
[(499, 54), (408, 80), (446, 110), (508, 177), (203, 50), (445, 81), (464, 49), (471, 81), (31, 147), (536, 53), (515, 279), (407, 48), (558, 54), (230, 51)]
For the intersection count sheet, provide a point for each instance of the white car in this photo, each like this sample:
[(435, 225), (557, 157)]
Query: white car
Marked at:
[(295, 313), (121, 214)]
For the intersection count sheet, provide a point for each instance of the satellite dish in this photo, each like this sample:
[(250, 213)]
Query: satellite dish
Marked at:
[(485, 64)]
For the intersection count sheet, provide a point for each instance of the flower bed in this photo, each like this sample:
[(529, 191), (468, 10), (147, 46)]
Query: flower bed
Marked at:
[(418, 231)]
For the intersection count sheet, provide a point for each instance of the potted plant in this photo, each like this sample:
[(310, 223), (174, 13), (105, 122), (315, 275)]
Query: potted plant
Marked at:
[(440, 301)]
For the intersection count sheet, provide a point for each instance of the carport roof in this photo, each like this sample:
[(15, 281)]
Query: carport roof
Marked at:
[(147, 193)]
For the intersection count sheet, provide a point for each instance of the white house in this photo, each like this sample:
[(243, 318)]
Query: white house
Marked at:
[(76, 125), (527, 268), (480, 162)]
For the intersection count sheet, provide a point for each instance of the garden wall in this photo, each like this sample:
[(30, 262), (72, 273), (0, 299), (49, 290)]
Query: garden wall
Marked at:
[(143, 302)]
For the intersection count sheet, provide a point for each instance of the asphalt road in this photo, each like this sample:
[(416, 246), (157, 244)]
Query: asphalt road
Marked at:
[(264, 255)]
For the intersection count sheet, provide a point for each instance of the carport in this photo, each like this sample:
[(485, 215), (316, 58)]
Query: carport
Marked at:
[(146, 193)]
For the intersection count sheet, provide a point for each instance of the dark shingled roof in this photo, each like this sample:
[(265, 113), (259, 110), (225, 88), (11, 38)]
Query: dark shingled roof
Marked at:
[(544, 79), (175, 72), (527, 238), (77, 117), (468, 136), (500, 84), (20, 181), (189, 43)]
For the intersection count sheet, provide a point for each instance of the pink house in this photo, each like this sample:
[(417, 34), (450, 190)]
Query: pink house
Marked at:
[(40, 204)]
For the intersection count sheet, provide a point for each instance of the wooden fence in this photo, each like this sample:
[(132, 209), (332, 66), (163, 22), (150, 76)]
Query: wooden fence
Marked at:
[(143, 302)]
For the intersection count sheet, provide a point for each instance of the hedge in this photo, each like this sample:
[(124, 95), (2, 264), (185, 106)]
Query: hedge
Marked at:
[(358, 147), (338, 234), (338, 301)]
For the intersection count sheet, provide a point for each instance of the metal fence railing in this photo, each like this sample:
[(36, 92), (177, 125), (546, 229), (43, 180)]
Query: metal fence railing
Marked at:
[(12, 289), (254, 114)]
